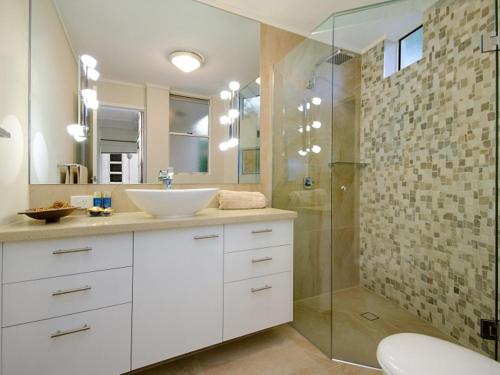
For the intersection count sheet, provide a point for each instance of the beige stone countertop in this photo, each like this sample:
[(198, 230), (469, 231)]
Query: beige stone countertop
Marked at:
[(81, 225)]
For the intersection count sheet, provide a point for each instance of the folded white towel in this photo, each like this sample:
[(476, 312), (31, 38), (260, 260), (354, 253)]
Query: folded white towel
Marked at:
[(241, 200)]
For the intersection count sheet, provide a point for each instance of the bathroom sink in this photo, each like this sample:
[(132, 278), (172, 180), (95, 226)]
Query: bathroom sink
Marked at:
[(171, 203)]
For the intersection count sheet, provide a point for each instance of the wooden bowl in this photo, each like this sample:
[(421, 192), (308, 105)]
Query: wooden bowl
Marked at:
[(50, 215)]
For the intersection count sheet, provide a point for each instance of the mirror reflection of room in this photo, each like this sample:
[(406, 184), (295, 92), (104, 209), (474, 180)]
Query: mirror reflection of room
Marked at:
[(171, 92)]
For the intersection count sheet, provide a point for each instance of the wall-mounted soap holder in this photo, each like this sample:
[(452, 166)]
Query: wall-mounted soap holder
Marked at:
[(4, 133)]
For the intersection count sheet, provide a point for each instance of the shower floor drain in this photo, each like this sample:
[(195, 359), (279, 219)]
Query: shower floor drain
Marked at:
[(369, 316)]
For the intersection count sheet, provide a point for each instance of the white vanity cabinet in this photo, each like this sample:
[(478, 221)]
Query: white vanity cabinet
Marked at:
[(111, 303), (177, 293), (257, 276), (67, 306)]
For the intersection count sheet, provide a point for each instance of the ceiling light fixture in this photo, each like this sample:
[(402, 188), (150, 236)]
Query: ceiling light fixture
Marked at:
[(186, 61)]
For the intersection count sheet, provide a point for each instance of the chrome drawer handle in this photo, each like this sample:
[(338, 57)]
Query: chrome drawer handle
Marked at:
[(260, 289), (265, 259), (262, 231), (206, 237), (60, 333), (72, 251), (68, 291)]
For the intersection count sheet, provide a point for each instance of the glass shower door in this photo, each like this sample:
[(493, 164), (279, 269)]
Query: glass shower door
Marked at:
[(302, 146)]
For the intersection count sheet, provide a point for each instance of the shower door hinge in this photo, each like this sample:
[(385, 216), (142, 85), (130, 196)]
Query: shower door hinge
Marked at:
[(489, 43), (489, 329)]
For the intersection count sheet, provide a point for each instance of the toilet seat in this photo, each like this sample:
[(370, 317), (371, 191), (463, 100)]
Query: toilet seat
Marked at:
[(415, 354)]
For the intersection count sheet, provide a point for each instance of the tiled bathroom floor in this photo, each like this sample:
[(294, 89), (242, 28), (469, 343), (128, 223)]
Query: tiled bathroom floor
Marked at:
[(279, 351), (355, 338)]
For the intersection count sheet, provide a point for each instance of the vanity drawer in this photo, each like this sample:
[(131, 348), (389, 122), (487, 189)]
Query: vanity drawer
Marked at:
[(239, 237), (94, 342), (247, 264), (47, 298), (31, 260), (256, 304)]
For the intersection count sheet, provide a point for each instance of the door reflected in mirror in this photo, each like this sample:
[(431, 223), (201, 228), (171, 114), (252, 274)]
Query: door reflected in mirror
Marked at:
[(118, 141)]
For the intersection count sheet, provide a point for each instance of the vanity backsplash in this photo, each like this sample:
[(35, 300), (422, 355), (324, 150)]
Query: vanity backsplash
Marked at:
[(43, 195)]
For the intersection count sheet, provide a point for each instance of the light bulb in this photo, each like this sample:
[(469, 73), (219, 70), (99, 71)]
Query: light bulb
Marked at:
[(316, 100), (92, 104), (225, 95), (300, 108), (89, 95), (93, 74), (308, 128), (75, 130), (302, 152), (301, 130), (234, 85), (88, 61), (224, 120), (233, 113), (316, 149), (223, 146), (257, 81), (308, 105), (308, 149), (316, 124), (233, 142), (80, 139)]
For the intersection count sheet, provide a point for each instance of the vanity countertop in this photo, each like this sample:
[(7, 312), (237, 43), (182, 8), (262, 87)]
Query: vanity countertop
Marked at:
[(81, 225)]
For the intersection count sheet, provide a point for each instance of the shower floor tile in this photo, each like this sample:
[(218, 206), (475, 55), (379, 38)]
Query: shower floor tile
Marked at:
[(355, 338)]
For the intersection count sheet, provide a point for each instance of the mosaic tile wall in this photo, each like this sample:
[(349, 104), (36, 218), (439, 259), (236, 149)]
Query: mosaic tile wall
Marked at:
[(427, 196)]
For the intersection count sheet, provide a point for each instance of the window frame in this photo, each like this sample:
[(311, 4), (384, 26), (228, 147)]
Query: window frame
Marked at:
[(401, 39), (193, 98)]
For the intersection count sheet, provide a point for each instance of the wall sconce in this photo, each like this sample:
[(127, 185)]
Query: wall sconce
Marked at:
[(87, 97), (306, 126), (232, 118)]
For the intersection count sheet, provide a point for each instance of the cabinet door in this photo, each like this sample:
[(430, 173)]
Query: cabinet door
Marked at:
[(178, 286)]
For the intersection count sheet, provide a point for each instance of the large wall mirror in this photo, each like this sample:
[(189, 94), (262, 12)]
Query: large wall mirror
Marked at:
[(121, 89)]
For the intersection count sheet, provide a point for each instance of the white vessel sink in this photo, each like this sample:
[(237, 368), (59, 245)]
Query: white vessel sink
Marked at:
[(171, 203)]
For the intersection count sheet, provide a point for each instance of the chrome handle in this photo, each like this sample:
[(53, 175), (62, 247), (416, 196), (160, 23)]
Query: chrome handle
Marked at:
[(72, 251), (206, 237), (265, 259), (60, 333), (262, 231), (68, 291), (260, 289)]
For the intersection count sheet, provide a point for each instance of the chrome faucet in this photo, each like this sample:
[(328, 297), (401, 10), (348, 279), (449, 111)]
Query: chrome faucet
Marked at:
[(167, 177)]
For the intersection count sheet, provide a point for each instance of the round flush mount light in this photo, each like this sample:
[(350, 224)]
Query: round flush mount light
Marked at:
[(186, 61)]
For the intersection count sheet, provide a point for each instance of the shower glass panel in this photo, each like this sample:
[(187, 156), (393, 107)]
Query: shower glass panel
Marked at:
[(396, 226), (302, 151)]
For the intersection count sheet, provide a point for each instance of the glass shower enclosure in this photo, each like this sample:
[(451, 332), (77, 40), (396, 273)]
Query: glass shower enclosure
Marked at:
[(384, 142)]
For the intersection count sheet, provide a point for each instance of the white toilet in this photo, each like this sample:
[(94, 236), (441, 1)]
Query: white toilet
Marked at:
[(414, 354)]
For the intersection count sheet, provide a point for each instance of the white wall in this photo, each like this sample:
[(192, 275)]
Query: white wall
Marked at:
[(14, 31), (54, 85)]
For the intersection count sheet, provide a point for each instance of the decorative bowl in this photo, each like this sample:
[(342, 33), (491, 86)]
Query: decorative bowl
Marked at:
[(50, 215)]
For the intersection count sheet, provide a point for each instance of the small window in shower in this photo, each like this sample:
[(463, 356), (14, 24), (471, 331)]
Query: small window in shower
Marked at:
[(411, 47)]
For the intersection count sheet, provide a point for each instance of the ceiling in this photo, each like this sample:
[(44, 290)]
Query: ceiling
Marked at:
[(355, 32), (298, 16), (131, 39)]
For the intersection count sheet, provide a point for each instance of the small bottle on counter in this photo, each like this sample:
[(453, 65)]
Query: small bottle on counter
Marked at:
[(97, 199), (106, 200)]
